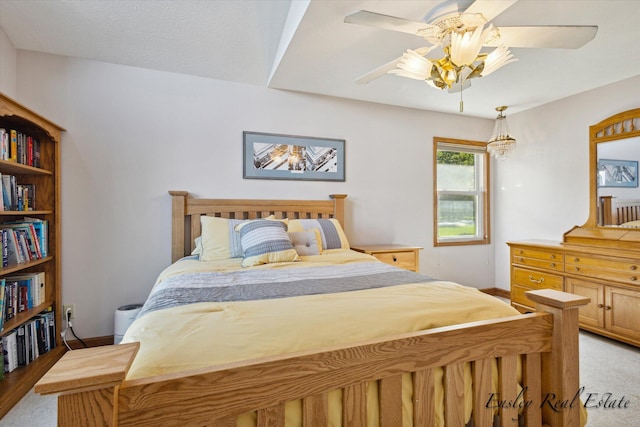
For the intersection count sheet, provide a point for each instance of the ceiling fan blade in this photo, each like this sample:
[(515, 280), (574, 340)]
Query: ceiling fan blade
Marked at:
[(555, 37), (378, 72), (387, 22), (384, 69), (490, 8)]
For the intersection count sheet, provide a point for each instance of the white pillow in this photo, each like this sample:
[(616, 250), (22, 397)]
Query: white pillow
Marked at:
[(305, 242)]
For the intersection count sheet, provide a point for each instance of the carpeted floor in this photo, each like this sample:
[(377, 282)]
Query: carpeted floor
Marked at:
[(609, 371)]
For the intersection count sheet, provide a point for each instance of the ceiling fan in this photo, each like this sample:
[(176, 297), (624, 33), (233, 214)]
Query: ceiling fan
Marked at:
[(457, 30)]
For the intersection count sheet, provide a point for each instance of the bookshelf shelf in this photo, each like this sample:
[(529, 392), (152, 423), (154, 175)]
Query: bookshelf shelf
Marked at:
[(19, 169), (19, 267), (25, 213), (45, 180)]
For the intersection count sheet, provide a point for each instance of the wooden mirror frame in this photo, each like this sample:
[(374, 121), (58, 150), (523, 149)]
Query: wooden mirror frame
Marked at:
[(617, 127)]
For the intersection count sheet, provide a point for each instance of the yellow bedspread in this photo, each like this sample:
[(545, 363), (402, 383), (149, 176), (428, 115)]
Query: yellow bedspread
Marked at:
[(205, 334)]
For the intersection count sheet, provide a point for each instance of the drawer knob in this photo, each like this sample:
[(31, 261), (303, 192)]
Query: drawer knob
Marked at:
[(633, 278), (540, 280), (634, 267), (553, 257), (553, 264), (608, 307), (577, 268), (576, 259), (395, 259), (600, 305)]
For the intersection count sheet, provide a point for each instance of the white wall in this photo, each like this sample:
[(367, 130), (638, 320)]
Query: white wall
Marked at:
[(542, 190), (133, 134), (8, 57)]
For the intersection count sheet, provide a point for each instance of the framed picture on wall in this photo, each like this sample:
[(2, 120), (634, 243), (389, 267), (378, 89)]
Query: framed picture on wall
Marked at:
[(617, 173), (275, 156)]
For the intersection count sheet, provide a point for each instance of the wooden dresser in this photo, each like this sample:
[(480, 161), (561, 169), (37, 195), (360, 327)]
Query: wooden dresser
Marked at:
[(610, 277)]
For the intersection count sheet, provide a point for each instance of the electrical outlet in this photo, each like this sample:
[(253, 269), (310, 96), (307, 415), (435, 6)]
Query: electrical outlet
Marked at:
[(66, 308)]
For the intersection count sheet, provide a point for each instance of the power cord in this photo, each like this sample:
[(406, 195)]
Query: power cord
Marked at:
[(69, 327)]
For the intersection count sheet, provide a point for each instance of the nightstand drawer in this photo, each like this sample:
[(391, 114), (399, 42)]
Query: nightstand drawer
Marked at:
[(400, 256), (406, 260)]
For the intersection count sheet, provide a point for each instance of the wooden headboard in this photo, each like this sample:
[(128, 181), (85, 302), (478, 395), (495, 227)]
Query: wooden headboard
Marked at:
[(615, 211), (186, 212)]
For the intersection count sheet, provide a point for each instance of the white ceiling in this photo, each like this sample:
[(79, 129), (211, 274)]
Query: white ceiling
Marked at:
[(305, 45)]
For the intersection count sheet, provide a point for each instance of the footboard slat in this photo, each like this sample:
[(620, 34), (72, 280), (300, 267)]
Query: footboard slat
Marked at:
[(482, 382), (454, 394), (272, 416), (423, 401), (531, 374), (391, 401), (315, 410), (354, 405), (508, 374), (225, 422)]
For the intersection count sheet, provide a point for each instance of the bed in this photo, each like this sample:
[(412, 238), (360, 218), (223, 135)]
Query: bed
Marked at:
[(339, 364), (620, 212)]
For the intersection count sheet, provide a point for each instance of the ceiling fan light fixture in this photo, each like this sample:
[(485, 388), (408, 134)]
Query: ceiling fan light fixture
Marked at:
[(498, 58), (466, 45), (413, 65), (501, 144)]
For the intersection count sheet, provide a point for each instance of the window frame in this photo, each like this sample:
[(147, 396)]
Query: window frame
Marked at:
[(481, 148)]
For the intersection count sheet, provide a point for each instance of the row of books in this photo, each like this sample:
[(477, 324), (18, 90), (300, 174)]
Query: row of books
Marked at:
[(16, 146), (24, 344), (24, 240), (21, 292), (16, 197)]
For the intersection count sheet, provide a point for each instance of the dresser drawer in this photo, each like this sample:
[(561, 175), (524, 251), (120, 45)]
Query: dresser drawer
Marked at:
[(539, 259), (626, 271), (536, 280), (406, 260)]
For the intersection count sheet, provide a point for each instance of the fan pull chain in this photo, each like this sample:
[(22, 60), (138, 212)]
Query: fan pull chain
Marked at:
[(461, 102)]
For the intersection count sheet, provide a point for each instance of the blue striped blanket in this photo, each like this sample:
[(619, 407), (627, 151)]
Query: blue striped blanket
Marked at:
[(255, 284)]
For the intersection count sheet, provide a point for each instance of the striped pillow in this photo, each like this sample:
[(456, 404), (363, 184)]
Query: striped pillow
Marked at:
[(265, 242), (331, 232), (219, 239)]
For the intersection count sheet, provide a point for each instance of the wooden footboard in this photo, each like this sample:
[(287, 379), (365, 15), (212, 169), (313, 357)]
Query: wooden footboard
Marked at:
[(94, 392)]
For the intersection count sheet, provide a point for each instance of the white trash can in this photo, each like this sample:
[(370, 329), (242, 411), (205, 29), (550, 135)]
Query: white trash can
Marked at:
[(124, 316)]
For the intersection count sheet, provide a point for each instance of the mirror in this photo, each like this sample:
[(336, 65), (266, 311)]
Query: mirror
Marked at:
[(617, 179), (614, 159)]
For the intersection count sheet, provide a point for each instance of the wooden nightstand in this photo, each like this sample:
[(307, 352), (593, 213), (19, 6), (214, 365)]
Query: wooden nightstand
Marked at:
[(406, 257)]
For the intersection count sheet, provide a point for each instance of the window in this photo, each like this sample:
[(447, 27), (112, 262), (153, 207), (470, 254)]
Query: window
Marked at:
[(461, 195)]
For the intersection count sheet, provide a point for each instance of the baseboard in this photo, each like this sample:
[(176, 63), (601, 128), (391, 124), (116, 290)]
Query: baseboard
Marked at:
[(497, 292), (91, 342)]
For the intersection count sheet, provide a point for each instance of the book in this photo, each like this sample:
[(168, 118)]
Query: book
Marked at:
[(21, 345), (6, 192), (5, 248), (14, 252), (13, 146), (2, 303), (10, 351), (10, 299)]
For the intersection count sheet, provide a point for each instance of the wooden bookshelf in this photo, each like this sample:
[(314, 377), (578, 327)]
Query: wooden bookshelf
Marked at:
[(46, 178)]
